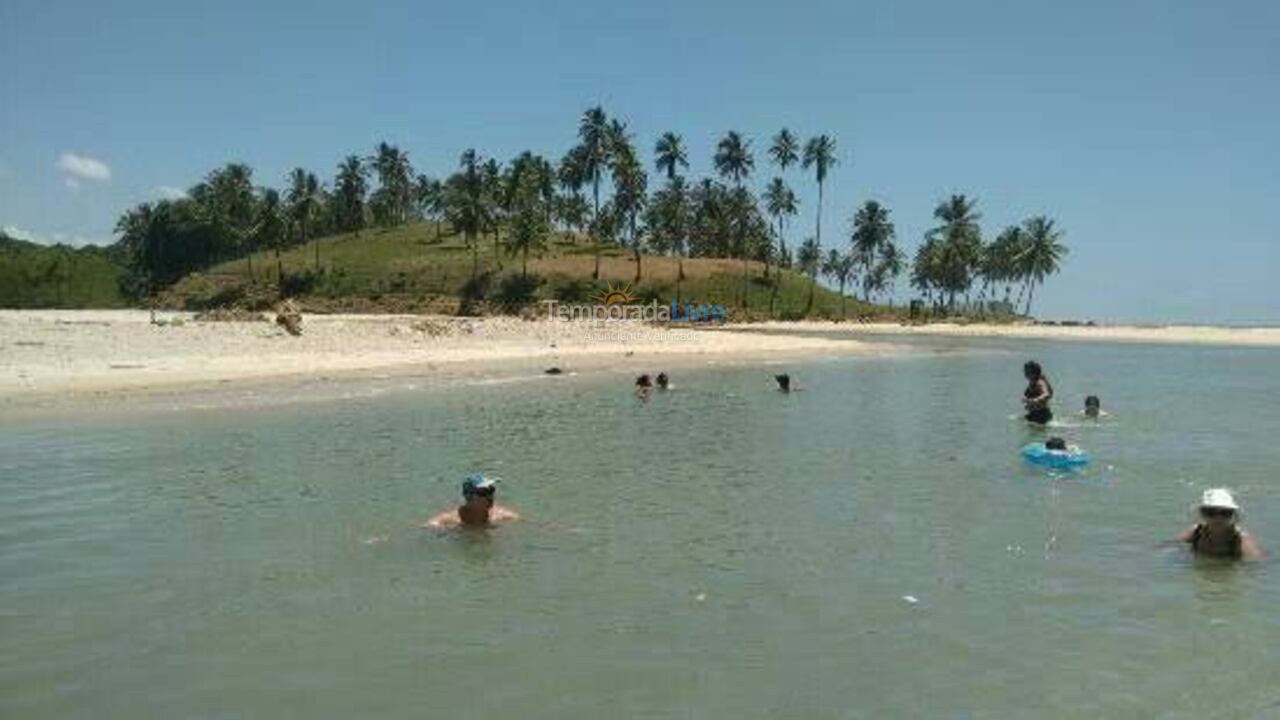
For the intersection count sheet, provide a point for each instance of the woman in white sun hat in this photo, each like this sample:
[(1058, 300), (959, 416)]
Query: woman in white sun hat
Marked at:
[(1216, 534)]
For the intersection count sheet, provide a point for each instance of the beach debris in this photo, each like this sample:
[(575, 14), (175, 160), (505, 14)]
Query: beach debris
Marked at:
[(226, 314), (434, 328), (554, 371), (289, 318)]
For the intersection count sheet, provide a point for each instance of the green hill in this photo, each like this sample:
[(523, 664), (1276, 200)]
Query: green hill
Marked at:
[(416, 268), (58, 276)]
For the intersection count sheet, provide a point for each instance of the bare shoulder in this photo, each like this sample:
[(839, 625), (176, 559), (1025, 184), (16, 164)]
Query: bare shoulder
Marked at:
[(444, 519), (1186, 535), (1249, 546), (501, 512)]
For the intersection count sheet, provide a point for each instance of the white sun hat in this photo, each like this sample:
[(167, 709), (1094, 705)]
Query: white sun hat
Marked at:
[(1219, 498)]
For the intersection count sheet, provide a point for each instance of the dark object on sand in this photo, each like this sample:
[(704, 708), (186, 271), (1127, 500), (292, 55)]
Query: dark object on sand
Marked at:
[(784, 382), (554, 371), (289, 318)]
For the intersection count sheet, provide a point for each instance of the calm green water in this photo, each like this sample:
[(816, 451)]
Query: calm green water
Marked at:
[(722, 551)]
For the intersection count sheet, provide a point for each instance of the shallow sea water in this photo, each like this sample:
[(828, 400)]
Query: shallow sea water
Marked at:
[(871, 546)]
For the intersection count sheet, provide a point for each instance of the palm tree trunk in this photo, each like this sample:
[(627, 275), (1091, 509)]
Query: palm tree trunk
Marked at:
[(524, 264), (279, 267), (813, 283), (679, 278), (595, 223), (744, 279), (843, 314), (818, 235), (1031, 291)]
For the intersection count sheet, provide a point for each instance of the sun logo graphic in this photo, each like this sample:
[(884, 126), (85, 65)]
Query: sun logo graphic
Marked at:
[(615, 295)]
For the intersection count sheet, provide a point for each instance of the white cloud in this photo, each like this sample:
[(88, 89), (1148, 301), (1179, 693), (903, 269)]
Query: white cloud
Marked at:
[(167, 192), (82, 167), (18, 233)]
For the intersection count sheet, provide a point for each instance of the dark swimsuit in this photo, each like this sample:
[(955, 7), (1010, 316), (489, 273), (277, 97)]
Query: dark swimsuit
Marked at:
[(1040, 415), (1237, 544)]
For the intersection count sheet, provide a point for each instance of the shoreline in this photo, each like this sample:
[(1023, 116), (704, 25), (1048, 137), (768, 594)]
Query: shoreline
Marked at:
[(58, 357), (1194, 335), (50, 358)]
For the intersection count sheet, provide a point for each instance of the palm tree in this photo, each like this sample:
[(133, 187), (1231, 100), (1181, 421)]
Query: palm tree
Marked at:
[(733, 158), (960, 247), (629, 182), (529, 225), (303, 197), (350, 188), (1042, 254), (594, 141), (872, 230), (466, 205), (669, 155), (808, 259), (429, 194), (496, 197), (394, 198), (667, 217), (780, 203), (784, 150), (820, 154), (887, 269), (839, 267), (272, 229)]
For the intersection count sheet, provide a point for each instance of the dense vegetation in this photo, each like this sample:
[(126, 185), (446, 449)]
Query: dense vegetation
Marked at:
[(43, 276), (597, 200)]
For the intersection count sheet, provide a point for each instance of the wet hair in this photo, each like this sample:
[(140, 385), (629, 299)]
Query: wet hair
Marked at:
[(643, 381), (1055, 443), (1092, 401), (783, 380), (663, 380), (1032, 369)]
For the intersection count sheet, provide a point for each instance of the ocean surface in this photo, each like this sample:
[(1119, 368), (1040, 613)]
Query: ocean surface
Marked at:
[(870, 546)]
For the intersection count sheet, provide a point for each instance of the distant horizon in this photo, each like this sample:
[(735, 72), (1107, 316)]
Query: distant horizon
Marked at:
[(1145, 132)]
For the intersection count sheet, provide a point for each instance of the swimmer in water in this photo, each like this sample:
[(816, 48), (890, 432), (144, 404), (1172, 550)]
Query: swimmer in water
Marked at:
[(1093, 407), (1055, 443), (644, 386), (664, 382), (1216, 534), (784, 382), (478, 508), (1037, 395)]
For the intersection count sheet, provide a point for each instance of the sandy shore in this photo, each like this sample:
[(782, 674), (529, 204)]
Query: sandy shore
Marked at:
[(60, 354), (1172, 334), (64, 354)]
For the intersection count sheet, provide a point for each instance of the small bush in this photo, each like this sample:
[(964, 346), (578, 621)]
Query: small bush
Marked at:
[(515, 291), (299, 283), (574, 290)]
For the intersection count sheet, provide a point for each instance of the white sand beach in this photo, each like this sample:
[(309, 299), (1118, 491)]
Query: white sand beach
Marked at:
[(62, 353), (65, 353)]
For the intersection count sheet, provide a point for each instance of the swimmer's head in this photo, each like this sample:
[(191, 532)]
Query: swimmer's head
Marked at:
[(479, 489), (1032, 370), (663, 380), (1092, 406), (1218, 505), (1055, 443), (643, 381), (784, 381)]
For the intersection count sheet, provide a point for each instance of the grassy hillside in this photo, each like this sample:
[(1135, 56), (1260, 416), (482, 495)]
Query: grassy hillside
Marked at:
[(412, 269), (41, 276)]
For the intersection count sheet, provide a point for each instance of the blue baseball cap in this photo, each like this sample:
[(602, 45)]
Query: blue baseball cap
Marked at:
[(478, 483)]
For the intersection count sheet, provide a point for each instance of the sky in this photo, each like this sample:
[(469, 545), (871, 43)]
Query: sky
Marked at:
[(1148, 130)]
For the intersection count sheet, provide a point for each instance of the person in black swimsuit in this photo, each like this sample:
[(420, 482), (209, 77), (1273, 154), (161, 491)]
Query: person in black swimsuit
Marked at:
[(1217, 535), (1037, 395)]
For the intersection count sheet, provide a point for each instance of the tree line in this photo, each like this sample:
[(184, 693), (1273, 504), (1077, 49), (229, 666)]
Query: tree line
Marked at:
[(599, 192)]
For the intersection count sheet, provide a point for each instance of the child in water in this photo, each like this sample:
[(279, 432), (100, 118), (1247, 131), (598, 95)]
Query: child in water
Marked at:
[(1093, 407), (1037, 395), (1217, 534)]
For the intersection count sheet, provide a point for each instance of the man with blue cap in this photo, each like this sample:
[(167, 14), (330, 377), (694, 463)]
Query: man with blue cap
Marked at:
[(478, 508)]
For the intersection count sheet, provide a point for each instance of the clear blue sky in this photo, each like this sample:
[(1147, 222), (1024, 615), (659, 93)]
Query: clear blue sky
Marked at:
[(1149, 130)]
